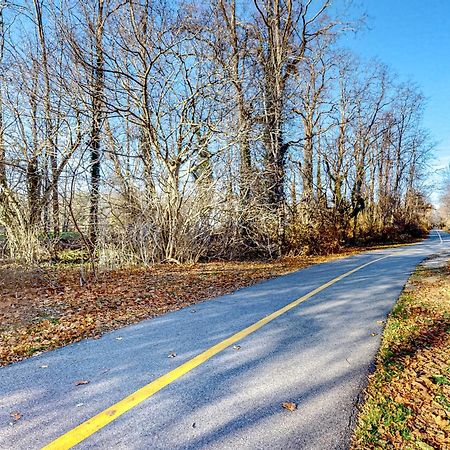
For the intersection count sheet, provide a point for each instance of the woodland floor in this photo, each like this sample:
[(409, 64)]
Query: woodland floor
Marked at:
[(46, 308), (407, 402)]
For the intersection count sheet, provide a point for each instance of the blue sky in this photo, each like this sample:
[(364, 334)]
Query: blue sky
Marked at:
[(413, 38)]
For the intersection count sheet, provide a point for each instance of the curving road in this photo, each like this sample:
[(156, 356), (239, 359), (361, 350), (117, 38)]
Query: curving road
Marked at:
[(261, 346)]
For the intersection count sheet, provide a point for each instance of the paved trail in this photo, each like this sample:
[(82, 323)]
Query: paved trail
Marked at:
[(316, 352)]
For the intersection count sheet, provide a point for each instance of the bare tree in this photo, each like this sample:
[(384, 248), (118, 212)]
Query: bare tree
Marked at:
[(284, 29), (50, 148), (163, 132), (2, 82)]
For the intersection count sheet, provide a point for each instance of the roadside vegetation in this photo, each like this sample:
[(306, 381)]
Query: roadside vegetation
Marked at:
[(407, 401), (164, 132)]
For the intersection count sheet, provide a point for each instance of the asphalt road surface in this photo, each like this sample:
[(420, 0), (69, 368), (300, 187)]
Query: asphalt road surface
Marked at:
[(316, 352)]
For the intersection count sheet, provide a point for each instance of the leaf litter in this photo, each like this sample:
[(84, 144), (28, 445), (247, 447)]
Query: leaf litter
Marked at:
[(407, 401)]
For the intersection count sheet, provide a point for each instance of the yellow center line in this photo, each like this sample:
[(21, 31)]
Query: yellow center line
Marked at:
[(92, 425)]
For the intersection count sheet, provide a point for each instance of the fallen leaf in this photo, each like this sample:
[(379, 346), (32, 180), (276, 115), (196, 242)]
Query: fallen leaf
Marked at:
[(15, 415), (81, 382), (443, 423), (236, 347), (78, 405), (172, 355), (374, 334), (290, 406)]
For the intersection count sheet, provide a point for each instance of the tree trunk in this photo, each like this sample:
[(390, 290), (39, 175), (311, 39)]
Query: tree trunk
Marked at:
[(2, 141), (97, 97), (307, 169), (236, 74), (49, 126), (279, 31)]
